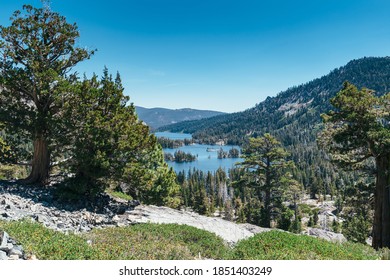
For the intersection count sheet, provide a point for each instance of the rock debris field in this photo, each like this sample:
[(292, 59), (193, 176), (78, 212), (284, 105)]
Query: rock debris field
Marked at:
[(39, 204)]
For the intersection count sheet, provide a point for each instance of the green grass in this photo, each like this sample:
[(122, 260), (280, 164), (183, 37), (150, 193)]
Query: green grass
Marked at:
[(154, 242), (119, 195), (142, 242), (176, 242), (12, 171), (46, 243), (306, 209), (277, 245)]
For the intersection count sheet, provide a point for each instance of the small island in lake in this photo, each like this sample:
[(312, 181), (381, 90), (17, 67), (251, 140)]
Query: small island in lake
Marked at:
[(180, 156)]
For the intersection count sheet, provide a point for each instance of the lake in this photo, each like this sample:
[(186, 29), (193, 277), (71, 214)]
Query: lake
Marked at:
[(207, 155)]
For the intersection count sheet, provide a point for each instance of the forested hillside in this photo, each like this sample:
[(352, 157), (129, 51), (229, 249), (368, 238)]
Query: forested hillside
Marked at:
[(293, 117), (298, 106)]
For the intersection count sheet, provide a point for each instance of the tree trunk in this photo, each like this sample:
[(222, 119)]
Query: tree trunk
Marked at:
[(381, 226), (267, 206), (268, 187), (40, 163)]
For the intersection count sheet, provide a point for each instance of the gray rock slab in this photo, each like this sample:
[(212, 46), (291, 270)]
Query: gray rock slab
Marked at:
[(229, 231), (3, 256), (327, 235), (41, 218), (3, 238), (14, 257), (16, 251)]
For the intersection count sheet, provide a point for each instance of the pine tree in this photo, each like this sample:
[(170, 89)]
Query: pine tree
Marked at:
[(357, 212), (108, 144), (292, 191), (265, 164), (315, 217), (359, 131)]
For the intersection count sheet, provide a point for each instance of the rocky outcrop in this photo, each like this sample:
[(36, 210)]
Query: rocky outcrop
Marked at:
[(10, 250), (18, 202), (229, 231), (325, 234)]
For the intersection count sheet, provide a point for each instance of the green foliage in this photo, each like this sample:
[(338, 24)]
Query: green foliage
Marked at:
[(310, 223), (75, 188), (296, 226), (5, 149), (173, 144), (119, 194), (315, 217), (180, 156), (86, 125), (358, 212), (175, 242), (8, 172), (265, 166), (204, 192), (305, 209), (293, 117), (107, 145), (277, 245), (357, 228), (139, 242), (149, 241), (164, 190), (48, 244), (357, 135), (234, 153), (284, 221), (37, 54), (336, 227), (357, 130)]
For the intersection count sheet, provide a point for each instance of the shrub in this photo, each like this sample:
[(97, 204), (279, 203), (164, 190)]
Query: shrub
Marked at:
[(278, 245)]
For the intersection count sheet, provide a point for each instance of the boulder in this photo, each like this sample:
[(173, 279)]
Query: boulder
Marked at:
[(17, 250), (41, 218), (3, 239), (3, 256), (325, 234)]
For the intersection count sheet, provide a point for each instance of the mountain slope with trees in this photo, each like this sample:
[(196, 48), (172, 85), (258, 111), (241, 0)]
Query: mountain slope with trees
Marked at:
[(298, 106), (294, 118)]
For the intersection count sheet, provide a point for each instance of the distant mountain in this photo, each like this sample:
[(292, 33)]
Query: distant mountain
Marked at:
[(299, 107), (157, 117), (293, 116)]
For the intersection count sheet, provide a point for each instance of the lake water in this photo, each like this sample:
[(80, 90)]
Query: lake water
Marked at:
[(207, 155)]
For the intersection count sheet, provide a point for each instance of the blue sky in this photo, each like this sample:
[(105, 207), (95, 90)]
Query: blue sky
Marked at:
[(220, 54)]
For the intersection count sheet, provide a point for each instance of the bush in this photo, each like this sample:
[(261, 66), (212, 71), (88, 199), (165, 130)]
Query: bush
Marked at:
[(75, 189), (138, 242), (278, 245), (48, 244), (305, 209), (8, 172), (156, 242), (356, 228), (177, 242)]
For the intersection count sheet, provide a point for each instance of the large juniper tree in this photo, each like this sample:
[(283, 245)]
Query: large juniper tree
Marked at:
[(357, 134), (37, 53), (88, 126)]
